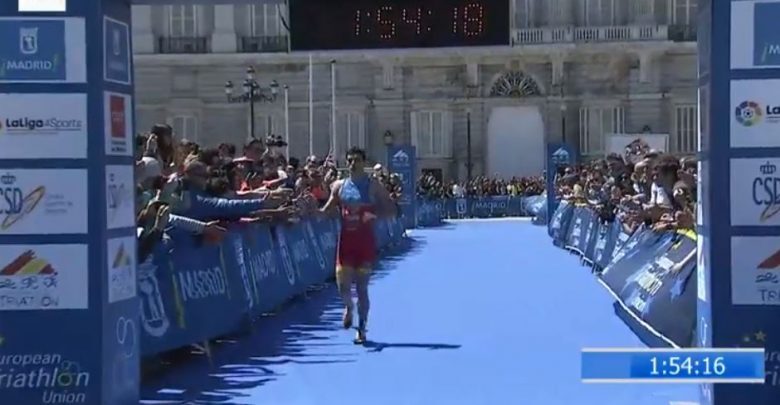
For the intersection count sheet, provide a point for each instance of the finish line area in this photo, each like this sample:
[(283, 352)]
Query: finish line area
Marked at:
[(472, 312)]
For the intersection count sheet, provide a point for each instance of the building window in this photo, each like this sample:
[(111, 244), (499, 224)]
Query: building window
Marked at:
[(597, 13), (682, 12), (185, 127), (595, 124), (558, 12), (183, 21), (526, 14), (432, 134), (643, 11), (266, 20), (685, 129), (351, 132)]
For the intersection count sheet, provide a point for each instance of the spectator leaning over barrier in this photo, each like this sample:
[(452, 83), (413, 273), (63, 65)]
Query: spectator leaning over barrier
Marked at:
[(184, 188), (650, 188)]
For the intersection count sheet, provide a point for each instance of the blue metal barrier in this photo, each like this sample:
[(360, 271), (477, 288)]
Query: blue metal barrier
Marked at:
[(193, 292), (652, 275), (430, 212)]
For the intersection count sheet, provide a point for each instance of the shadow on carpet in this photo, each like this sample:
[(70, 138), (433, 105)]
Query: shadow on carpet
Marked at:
[(240, 363)]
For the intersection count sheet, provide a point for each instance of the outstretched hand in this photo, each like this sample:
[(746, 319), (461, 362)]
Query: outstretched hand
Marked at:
[(213, 231), (369, 216)]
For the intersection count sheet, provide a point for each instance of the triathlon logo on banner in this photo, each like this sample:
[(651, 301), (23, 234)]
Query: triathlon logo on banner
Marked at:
[(755, 270), (43, 277)]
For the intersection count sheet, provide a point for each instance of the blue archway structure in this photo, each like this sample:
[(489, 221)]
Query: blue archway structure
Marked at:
[(68, 329)]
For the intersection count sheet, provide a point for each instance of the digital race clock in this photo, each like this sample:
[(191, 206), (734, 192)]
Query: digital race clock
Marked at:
[(371, 24), (673, 365)]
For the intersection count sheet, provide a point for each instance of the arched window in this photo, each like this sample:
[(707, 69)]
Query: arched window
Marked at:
[(514, 84)]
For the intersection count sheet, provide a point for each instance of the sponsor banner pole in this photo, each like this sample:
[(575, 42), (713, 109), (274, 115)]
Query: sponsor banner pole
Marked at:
[(738, 298), (311, 105), (402, 159), (67, 216), (558, 154)]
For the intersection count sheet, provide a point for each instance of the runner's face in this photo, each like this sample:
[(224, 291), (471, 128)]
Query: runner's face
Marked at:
[(355, 163)]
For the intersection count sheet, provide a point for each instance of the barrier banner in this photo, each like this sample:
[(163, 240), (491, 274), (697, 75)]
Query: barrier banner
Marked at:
[(589, 223), (462, 208), (540, 218), (327, 235), (560, 223), (285, 261), (321, 271), (622, 237), (193, 281), (380, 233), (162, 324), (599, 232), (627, 242), (663, 291), (302, 255), (576, 229), (429, 212), (268, 285), (606, 243), (432, 211), (533, 205), (489, 207)]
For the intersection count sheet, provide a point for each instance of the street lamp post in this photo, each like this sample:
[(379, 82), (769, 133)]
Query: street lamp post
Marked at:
[(563, 122), (287, 119), (251, 93), (469, 163)]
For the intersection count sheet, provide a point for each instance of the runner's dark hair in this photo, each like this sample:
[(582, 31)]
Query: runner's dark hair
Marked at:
[(356, 151)]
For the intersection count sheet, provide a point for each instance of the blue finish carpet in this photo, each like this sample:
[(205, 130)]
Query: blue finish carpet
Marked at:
[(474, 312)]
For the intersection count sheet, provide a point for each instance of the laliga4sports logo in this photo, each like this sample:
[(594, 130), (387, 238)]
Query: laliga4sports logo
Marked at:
[(26, 125), (751, 113), (16, 203)]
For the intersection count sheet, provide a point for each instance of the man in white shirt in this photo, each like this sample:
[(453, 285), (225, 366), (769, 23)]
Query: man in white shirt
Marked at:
[(458, 191)]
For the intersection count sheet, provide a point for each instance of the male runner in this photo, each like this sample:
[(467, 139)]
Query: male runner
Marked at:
[(362, 199)]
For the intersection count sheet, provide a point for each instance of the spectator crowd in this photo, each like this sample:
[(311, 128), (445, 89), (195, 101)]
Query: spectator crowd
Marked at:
[(642, 187), (183, 187), (429, 187)]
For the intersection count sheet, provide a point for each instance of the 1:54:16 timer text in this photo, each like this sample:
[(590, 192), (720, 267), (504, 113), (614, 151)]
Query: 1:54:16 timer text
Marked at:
[(388, 22), (674, 366)]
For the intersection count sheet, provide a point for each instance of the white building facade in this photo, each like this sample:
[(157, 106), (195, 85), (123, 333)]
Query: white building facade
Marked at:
[(576, 71)]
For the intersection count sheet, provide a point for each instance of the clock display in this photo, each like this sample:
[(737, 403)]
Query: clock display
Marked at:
[(655, 365), (372, 24)]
